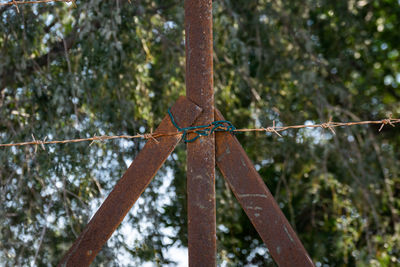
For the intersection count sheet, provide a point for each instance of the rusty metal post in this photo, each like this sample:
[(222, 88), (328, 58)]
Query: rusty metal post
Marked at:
[(258, 203), (129, 187), (201, 153)]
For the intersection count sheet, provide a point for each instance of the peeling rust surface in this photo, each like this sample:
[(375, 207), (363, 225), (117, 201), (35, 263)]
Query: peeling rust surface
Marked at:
[(129, 187), (201, 153), (258, 203)]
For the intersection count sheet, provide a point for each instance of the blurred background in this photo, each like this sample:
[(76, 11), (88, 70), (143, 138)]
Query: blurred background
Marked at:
[(114, 67)]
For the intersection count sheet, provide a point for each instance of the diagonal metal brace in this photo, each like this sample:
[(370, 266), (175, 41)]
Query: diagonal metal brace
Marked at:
[(130, 187), (258, 203)]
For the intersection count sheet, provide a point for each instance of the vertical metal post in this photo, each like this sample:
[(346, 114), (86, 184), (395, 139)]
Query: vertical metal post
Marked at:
[(201, 153)]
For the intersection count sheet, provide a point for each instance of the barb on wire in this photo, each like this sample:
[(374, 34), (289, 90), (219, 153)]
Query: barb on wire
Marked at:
[(212, 127), (389, 121), (150, 136), (272, 129), (328, 125), (38, 142), (96, 138), (16, 6)]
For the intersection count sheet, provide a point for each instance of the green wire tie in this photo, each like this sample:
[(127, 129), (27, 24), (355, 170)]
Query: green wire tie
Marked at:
[(203, 130)]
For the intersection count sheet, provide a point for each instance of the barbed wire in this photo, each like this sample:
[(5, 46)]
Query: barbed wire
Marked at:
[(327, 125), (273, 129), (17, 3)]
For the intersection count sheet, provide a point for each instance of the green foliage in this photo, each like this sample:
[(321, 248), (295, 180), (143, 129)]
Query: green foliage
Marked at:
[(110, 67)]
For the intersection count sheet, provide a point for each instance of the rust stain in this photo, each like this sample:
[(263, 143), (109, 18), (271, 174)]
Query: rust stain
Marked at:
[(227, 152)]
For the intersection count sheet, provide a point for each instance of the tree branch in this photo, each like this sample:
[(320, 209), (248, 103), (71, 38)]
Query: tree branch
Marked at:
[(8, 77)]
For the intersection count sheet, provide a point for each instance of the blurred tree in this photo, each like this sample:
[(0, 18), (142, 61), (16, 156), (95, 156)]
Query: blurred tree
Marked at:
[(114, 67)]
